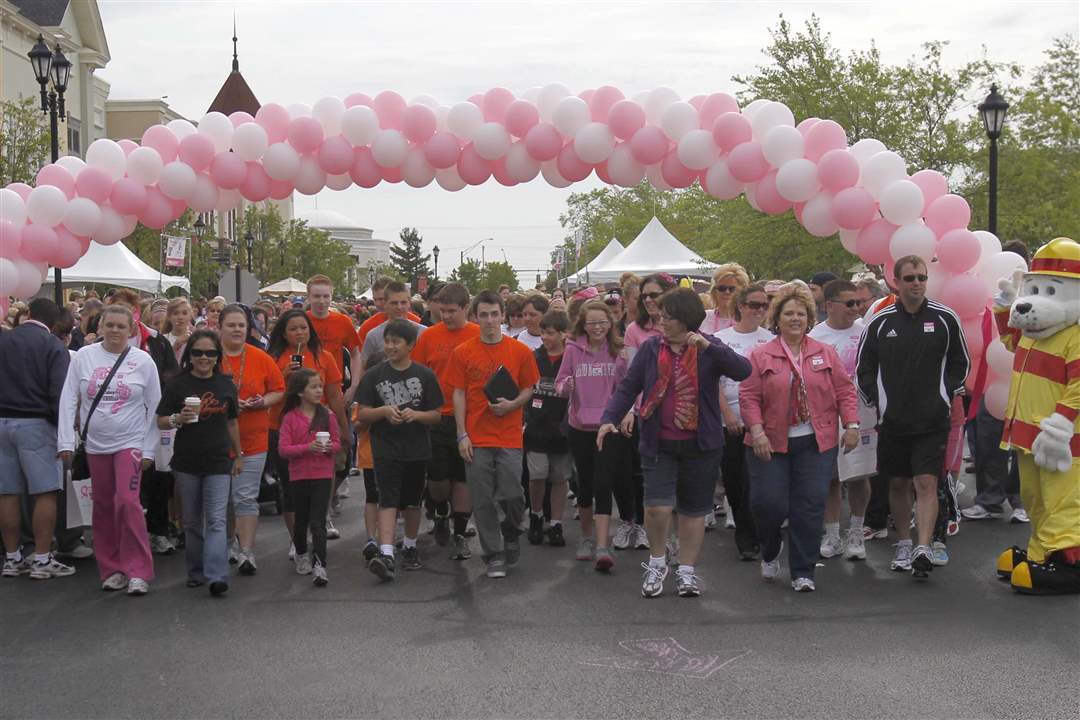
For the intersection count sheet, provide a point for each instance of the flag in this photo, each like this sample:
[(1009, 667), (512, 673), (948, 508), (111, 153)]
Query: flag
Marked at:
[(175, 251)]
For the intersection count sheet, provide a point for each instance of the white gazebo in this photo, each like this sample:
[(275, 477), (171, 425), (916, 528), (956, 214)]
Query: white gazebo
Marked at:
[(117, 265), (654, 250), (587, 274), (288, 286)]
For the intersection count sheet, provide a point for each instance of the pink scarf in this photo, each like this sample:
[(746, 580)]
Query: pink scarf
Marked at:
[(682, 376)]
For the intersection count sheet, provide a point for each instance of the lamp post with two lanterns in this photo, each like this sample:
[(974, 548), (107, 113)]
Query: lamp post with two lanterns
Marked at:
[(993, 110)]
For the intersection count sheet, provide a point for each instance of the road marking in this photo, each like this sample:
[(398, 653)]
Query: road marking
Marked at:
[(666, 656)]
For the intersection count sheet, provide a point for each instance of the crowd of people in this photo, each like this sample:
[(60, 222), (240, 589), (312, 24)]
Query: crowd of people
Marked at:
[(485, 416)]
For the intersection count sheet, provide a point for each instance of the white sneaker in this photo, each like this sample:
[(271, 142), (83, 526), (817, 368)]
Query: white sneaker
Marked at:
[(939, 554), (729, 518), (771, 568), (292, 553), (831, 546), (116, 581), (15, 568), (710, 521), (303, 564), (234, 551), (1019, 515), (641, 538), (855, 547), (79, 552), (343, 488), (319, 578), (978, 512), (138, 586), (870, 533), (901, 561), (331, 531), (50, 569), (803, 584), (623, 535)]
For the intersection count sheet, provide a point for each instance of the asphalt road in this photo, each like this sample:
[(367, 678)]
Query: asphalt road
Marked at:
[(553, 640)]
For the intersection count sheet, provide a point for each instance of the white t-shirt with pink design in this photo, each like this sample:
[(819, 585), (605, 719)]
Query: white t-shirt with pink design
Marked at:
[(845, 342)]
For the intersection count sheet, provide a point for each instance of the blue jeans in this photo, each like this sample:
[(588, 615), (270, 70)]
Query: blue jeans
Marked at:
[(791, 486), (204, 499)]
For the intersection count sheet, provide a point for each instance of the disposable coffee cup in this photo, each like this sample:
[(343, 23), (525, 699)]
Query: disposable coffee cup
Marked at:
[(195, 404), (323, 438), (298, 359)]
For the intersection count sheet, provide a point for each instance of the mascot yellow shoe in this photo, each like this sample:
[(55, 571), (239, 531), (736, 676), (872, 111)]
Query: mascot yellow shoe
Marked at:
[(1038, 317)]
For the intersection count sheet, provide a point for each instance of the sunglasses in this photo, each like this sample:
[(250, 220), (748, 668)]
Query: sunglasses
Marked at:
[(756, 305), (852, 303), (197, 353), (912, 278), (651, 295), (726, 288)]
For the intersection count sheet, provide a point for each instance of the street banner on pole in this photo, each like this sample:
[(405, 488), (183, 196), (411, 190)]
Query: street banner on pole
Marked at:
[(175, 251)]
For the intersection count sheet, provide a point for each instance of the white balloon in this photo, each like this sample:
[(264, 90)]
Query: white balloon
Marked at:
[(999, 359), (72, 164), (441, 114), (548, 97), (847, 239), (656, 177), (389, 148), (111, 228), (181, 128), (130, 222), (12, 207), (720, 183), (218, 128), (250, 141), (622, 168), (797, 180), (1000, 266), (936, 277), (281, 161), (464, 118), (913, 238), (752, 109), (449, 179), (205, 197), (817, 216), (426, 100), (46, 205), (297, 110), (697, 150), (594, 142), (901, 203), (866, 149), (9, 277), (177, 180), (416, 171), (108, 156), (328, 112), (658, 101), (229, 200), (359, 124), (570, 115), (882, 170), (551, 173), (782, 144), (751, 196), (82, 216), (338, 182), (29, 278), (491, 141), (311, 178), (769, 116), (144, 165), (678, 119), (990, 246), (520, 165)]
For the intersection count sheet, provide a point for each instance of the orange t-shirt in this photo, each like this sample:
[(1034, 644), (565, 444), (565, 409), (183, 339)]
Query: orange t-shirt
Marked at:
[(326, 367), (335, 332), (471, 365), (433, 349), (254, 373), (375, 321), (365, 460)]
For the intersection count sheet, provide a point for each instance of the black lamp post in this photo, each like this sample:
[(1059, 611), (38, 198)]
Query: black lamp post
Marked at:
[(993, 110), (435, 252), (249, 240), (57, 68)]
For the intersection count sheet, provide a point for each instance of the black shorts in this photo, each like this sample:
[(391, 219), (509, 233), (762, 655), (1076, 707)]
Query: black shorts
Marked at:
[(905, 456), (401, 482), (446, 462), (371, 488), (280, 467)]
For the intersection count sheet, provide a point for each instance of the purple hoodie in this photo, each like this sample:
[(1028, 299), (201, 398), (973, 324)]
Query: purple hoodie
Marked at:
[(595, 374)]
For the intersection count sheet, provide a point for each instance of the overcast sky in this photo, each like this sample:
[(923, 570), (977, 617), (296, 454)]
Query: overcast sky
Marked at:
[(302, 51)]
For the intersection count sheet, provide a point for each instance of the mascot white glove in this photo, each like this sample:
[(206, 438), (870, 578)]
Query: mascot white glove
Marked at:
[(1007, 290), (1051, 446)]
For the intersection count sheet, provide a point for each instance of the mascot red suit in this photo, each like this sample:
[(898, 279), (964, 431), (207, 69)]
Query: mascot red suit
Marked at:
[(1038, 316)]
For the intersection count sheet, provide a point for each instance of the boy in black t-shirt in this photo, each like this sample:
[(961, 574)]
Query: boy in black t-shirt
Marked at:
[(399, 399), (547, 454)]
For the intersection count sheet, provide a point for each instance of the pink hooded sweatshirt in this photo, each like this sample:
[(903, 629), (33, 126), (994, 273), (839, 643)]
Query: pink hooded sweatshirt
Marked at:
[(595, 376)]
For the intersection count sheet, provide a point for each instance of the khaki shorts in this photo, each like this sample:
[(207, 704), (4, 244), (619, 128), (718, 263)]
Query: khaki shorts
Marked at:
[(552, 467)]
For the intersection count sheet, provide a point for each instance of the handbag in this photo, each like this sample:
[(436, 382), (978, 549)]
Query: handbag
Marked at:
[(80, 468)]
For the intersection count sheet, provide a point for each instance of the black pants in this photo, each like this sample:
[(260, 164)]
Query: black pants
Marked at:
[(737, 491), (156, 489), (311, 499), (877, 510), (601, 473)]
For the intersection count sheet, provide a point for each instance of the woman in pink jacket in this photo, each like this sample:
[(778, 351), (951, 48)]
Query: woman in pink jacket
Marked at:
[(792, 403)]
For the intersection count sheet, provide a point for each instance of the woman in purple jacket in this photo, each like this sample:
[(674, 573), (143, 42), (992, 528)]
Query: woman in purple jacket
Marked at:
[(682, 431)]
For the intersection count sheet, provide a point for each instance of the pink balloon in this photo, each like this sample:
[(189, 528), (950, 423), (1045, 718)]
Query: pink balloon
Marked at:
[(570, 166), (947, 213), (10, 241), (730, 130), (958, 250), (69, 249), (240, 117), (587, 95), (256, 185), (854, 208), (390, 174), (280, 189), (158, 211), (767, 198), (335, 155), (477, 99), (94, 184), (675, 173), (418, 123), (274, 119), (178, 207), (389, 106), (472, 168), (358, 99), (822, 137), (498, 171), (127, 146), (625, 118), (965, 294), (197, 150), (57, 175), (697, 102), (496, 101), (364, 171), (163, 140), (973, 334), (804, 126), (649, 145), (543, 142), (602, 173), (227, 170), (520, 117), (837, 170), (747, 162), (305, 134), (933, 185), (128, 196), (38, 243), (713, 107), (442, 150), (872, 245), (603, 100), (22, 189)]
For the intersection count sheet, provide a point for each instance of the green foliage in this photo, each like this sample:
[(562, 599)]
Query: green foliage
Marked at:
[(24, 140), (500, 273), (477, 277), (407, 259), (470, 274)]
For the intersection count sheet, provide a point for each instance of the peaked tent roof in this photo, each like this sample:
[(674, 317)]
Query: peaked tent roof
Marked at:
[(610, 251), (117, 265), (235, 94), (653, 250), (288, 286)]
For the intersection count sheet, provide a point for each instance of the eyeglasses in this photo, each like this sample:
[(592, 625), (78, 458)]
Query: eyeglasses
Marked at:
[(651, 295), (756, 305), (597, 323), (852, 303), (912, 278), (212, 354), (726, 288)]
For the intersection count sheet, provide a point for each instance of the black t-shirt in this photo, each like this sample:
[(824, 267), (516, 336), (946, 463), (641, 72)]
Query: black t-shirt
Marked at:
[(415, 387), (202, 448)]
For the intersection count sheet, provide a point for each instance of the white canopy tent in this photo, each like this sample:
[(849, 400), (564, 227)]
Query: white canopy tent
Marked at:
[(654, 250), (117, 265), (587, 274), (288, 286)]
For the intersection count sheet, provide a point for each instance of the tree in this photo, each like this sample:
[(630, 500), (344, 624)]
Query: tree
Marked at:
[(24, 141), (406, 258), (470, 274), (500, 273)]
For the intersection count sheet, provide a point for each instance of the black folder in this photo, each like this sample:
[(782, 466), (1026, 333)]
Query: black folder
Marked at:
[(501, 385)]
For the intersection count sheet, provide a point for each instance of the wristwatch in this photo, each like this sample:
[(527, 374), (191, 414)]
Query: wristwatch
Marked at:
[(851, 426)]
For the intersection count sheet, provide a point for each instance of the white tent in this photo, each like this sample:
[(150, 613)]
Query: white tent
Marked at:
[(288, 286), (654, 250), (117, 265), (588, 273)]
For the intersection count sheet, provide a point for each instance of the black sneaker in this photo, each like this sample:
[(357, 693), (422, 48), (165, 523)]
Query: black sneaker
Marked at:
[(511, 551), (555, 536), (442, 530), (410, 559), (371, 549), (536, 529), (922, 561), (383, 566), (219, 588)]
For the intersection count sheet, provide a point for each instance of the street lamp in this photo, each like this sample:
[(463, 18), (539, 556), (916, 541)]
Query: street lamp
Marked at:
[(249, 240), (993, 110), (435, 252), (57, 68)]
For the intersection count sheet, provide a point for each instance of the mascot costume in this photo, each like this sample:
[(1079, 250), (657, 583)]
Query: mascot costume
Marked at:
[(1038, 316)]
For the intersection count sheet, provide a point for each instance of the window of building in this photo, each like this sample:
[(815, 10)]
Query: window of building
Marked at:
[(74, 136)]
